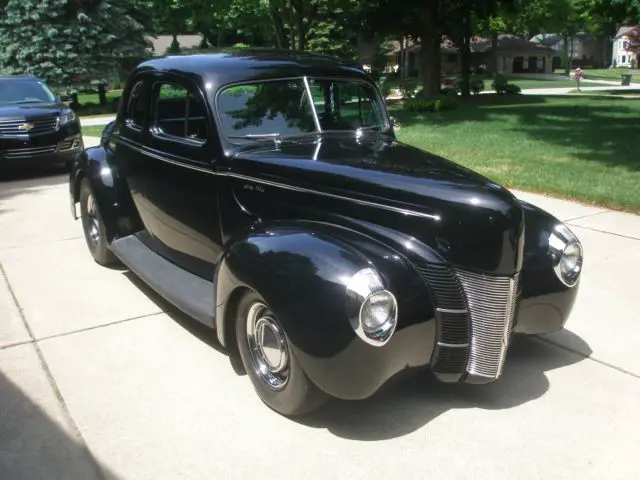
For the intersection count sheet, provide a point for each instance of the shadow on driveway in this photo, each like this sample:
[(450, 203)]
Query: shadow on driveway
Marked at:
[(33, 446), (413, 398), (410, 401)]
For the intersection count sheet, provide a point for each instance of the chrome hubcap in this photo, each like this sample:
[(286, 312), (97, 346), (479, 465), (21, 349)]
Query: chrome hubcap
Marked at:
[(93, 230), (268, 347)]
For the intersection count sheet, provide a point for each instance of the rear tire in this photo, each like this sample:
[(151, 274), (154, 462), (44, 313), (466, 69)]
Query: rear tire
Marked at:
[(93, 226), (273, 368)]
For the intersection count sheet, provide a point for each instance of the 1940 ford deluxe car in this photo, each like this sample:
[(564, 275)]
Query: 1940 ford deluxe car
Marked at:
[(266, 196)]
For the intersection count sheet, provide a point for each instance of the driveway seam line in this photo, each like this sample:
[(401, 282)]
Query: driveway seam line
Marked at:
[(588, 357), (53, 384), (29, 245), (586, 216), (16, 344), (607, 233), (95, 327)]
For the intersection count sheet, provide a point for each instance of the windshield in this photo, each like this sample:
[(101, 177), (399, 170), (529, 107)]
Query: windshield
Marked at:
[(283, 108), (24, 91)]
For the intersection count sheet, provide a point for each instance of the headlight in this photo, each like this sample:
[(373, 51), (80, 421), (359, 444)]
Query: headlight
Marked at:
[(376, 318), (567, 255), (67, 116)]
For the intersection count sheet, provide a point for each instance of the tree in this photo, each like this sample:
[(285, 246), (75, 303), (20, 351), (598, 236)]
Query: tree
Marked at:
[(71, 42)]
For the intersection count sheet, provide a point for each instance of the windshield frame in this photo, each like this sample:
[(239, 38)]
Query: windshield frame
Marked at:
[(270, 136), (42, 85)]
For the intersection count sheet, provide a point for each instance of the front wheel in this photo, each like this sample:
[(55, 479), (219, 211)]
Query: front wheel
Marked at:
[(275, 372), (93, 226)]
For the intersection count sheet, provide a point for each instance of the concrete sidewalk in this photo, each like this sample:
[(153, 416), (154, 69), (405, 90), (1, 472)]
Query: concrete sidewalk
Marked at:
[(100, 379)]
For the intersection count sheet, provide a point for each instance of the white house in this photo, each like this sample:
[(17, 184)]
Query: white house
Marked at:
[(623, 55)]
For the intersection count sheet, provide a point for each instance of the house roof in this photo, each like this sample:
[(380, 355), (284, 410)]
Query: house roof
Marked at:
[(506, 43), (161, 43), (634, 30)]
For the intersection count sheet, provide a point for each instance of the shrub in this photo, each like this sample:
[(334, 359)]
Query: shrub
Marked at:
[(512, 88), (476, 85), (501, 85), (442, 103), (408, 88)]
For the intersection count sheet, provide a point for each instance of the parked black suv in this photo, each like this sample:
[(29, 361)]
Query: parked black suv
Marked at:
[(35, 126)]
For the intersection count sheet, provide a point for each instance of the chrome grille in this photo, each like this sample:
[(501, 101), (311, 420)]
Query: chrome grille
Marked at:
[(28, 152), (492, 304), (37, 126), (452, 322)]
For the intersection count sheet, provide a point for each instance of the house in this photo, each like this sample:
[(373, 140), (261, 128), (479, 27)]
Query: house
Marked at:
[(626, 47), (514, 55), (161, 43), (583, 49)]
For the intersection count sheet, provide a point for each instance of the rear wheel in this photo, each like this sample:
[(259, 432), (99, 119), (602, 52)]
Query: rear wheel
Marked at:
[(93, 226), (266, 353)]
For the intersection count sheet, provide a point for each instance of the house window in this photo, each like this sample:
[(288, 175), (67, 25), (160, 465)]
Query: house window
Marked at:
[(623, 59)]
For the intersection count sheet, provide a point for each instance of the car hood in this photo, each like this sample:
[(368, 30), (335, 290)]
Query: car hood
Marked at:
[(378, 170), (30, 110), (466, 217)]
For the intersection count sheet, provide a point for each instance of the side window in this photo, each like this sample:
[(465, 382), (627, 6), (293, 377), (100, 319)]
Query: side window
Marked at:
[(179, 113), (138, 106)]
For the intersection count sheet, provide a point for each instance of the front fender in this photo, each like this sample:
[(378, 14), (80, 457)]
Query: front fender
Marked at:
[(546, 302), (109, 189), (302, 274)]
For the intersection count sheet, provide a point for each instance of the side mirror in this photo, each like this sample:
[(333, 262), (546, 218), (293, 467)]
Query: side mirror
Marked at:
[(107, 131), (63, 98), (394, 123)]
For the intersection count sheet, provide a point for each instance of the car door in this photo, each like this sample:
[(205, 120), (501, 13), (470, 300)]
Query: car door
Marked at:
[(175, 176)]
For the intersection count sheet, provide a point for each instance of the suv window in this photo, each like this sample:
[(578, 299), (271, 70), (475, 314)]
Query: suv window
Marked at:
[(180, 113), (137, 106)]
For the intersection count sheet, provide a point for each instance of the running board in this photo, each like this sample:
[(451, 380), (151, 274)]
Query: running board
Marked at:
[(187, 292)]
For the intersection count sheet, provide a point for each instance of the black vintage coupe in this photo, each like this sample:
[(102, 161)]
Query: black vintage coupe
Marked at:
[(265, 195), (36, 128)]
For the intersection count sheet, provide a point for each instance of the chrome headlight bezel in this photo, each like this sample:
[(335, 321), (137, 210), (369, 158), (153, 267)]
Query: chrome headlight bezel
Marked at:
[(363, 287), (67, 116), (561, 241)]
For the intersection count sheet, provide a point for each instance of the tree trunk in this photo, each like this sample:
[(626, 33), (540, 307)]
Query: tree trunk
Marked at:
[(465, 54), (102, 94), (567, 60), (494, 54), (430, 64), (430, 40), (281, 36)]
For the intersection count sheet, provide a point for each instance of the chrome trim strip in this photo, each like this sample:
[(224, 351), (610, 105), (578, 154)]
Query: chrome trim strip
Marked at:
[(316, 120), (453, 345), (332, 195), (450, 310), (285, 186), (163, 158)]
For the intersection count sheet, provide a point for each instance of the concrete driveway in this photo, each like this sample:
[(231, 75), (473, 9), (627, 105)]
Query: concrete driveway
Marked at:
[(101, 379)]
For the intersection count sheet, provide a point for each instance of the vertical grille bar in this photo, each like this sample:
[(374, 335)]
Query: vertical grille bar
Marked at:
[(452, 319), (492, 303)]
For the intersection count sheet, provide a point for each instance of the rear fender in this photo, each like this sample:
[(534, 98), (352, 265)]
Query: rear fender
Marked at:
[(109, 189)]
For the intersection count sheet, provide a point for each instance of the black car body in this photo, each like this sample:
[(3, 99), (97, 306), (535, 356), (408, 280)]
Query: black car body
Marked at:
[(327, 255), (36, 128)]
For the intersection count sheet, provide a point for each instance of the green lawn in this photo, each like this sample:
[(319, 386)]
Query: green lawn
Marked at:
[(612, 75), (84, 98), (93, 130), (570, 146)]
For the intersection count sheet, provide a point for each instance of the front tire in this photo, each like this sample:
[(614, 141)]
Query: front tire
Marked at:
[(93, 226), (266, 353)]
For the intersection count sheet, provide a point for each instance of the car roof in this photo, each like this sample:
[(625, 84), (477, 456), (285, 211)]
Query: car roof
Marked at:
[(26, 76), (222, 67)]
